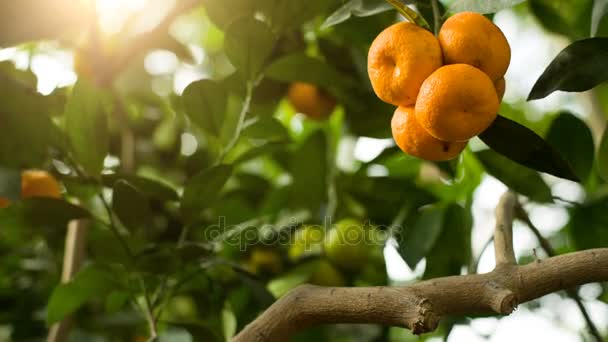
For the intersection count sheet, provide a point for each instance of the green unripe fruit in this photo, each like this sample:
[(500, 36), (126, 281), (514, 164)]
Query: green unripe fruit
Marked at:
[(308, 240), (347, 245)]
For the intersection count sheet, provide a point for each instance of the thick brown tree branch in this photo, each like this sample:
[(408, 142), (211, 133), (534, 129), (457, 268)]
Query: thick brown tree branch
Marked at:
[(420, 306)]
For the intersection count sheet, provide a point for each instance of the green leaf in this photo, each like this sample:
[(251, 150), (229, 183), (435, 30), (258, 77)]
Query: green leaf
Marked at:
[(87, 127), (25, 124), (130, 205), (570, 18), (300, 67), (286, 15), (259, 151), (602, 156), (308, 167), (600, 8), (588, 224), (358, 8), (523, 146), (92, 282), (452, 250), (205, 102), (39, 212), (521, 179), (579, 67), (202, 190), (267, 129), (482, 6), (224, 12), (248, 42), (116, 300), (573, 139), (149, 187), (416, 240)]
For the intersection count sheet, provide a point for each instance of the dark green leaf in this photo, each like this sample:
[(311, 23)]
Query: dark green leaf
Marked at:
[(300, 67), (86, 125), (482, 6), (116, 300), (602, 156), (579, 67), (573, 139), (25, 124), (130, 205), (205, 102), (521, 179), (284, 15), (570, 18), (267, 129), (224, 12), (525, 147), (202, 190), (259, 151), (149, 187), (417, 240), (39, 212), (92, 282), (589, 224), (248, 42), (452, 250), (308, 168), (600, 8), (358, 8)]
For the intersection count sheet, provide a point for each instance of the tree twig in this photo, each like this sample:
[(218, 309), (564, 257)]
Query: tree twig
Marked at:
[(503, 233), (572, 293)]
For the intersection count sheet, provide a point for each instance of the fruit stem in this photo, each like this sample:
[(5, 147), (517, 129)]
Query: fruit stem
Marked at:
[(409, 14)]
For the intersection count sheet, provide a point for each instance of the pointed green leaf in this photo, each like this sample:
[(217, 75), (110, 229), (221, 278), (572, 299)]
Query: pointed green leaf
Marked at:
[(579, 67), (300, 67), (358, 8), (521, 179), (523, 146), (205, 102), (308, 167), (149, 187), (130, 205), (267, 129), (92, 282), (248, 42), (202, 190), (86, 125), (417, 239), (573, 139)]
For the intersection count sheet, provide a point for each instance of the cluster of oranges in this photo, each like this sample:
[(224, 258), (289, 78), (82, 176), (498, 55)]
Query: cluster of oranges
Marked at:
[(36, 183), (447, 88)]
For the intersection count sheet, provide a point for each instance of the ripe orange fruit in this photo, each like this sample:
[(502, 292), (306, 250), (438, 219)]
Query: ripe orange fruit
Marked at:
[(456, 103), (471, 38), (416, 141), (399, 60), (38, 183), (4, 202), (310, 100), (501, 86)]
